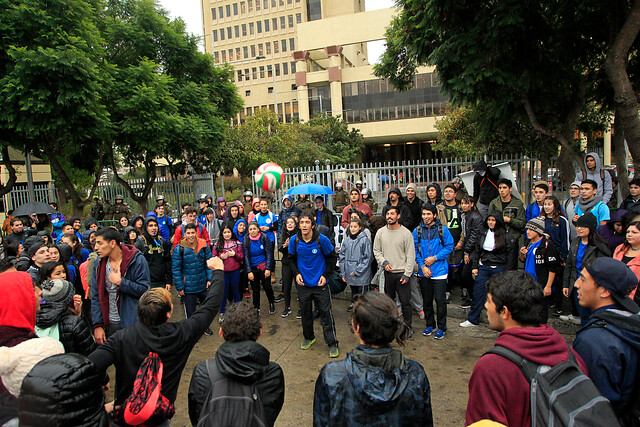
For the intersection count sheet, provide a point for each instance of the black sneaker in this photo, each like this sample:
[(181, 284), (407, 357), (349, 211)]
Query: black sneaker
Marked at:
[(448, 298), (286, 312), (272, 308), (350, 307), (279, 298), (466, 304), (464, 294), (208, 332), (299, 315), (557, 313)]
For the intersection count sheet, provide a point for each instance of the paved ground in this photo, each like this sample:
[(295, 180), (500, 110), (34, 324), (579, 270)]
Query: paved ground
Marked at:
[(448, 362)]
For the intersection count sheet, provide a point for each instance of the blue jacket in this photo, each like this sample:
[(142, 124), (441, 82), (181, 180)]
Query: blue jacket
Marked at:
[(189, 268), (431, 245), (235, 230), (560, 235), (357, 391), (355, 257), (135, 282), (164, 227), (266, 246), (611, 354), (532, 211)]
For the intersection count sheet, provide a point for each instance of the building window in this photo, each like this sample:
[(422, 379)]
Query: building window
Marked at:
[(260, 49), (270, 89), (245, 52), (253, 51), (242, 9), (290, 19), (254, 73), (284, 45), (244, 30), (239, 75), (213, 13), (294, 87), (228, 9), (224, 56), (283, 22), (215, 35), (277, 69), (235, 9), (274, 22), (273, 4), (281, 3), (238, 54), (236, 29), (247, 76), (250, 5), (259, 26), (265, 4), (257, 5), (266, 25), (268, 47), (293, 67), (231, 55), (298, 18), (276, 45), (289, 1), (216, 58), (262, 72), (285, 68), (314, 10), (229, 33), (222, 34), (247, 93), (220, 12), (292, 45), (269, 71), (251, 29)]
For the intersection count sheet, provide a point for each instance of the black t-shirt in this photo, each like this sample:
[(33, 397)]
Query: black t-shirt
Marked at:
[(505, 204), (454, 221)]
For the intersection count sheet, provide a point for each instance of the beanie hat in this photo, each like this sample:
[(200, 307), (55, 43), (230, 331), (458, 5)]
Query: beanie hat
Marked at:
[(588, 220), (537, 225), (412, 186), (57, 291), (576, 183), (17, 361), (34, 248)]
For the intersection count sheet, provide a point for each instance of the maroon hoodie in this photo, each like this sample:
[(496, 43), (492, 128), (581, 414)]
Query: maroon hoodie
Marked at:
[(498, 390)]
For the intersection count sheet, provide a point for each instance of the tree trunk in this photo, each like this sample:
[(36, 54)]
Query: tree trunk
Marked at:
[(6, 162), (149, 180), (625, 99), (77, 203), (617, 143)]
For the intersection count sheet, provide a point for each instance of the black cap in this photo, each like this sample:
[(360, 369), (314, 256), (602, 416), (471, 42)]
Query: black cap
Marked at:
[(617, 278)]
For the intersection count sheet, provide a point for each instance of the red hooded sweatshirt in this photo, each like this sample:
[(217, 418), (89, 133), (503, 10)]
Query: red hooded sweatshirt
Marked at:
[(498, 390)]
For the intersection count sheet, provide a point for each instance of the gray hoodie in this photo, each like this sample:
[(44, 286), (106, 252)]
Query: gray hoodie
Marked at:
[(605, 190)]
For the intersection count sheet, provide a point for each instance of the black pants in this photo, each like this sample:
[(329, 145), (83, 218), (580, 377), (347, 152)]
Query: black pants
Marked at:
[(392, 286), (558, 296), (259, 278), (438, 288), (321, 295), (466, 278), (287, 281), (112, 328), (190, 301)]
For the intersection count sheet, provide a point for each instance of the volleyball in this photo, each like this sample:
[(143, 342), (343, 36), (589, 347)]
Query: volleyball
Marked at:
[(269, 177)]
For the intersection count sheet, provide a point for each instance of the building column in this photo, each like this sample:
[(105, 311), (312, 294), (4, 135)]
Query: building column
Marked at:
[(607, 147), (335, 78), (301, 84)]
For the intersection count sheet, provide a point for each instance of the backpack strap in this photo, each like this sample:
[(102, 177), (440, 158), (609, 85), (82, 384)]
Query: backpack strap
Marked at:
[(527, 367), (212, 371)]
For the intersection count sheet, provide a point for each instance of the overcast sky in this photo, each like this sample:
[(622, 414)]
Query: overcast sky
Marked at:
[(190, 12)]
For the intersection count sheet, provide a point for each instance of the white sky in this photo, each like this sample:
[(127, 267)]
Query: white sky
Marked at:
[(190, 12)]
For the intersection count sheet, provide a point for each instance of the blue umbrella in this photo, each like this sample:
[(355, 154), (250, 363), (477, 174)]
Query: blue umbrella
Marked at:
[(310, 189)]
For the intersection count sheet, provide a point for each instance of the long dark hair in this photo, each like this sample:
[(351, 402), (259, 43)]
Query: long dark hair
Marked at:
[(469, 200), (499, 233), (220, 242), (626, 244), (48, 267), (77, 247), (557, 210)]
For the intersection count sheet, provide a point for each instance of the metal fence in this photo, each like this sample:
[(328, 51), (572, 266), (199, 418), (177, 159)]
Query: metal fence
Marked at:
[(380, 177), (19, 195)]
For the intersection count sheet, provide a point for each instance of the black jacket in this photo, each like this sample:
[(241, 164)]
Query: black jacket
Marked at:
[(415, 209), (158, 256), (63, 390), (485, 188), (246, 362), (629, 205), (592, 252), (547, 260), (505, 256), (405, 214), (472, 226)]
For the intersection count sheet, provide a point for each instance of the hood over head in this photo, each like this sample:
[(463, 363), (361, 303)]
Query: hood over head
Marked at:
[(438, 190), (89, 221), (17, 300), (499, 219), (480, 165), (596, 157), (393, 190), (135, 218), (616, 216), (65, 251), (242, 361), (235, 229)]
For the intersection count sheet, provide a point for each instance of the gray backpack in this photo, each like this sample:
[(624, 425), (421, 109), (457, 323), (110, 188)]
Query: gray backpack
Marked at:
[(561, 395), (231, 403)]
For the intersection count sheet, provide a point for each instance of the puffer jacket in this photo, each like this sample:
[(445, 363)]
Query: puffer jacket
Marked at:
[(266, 246), (189, 268), (505, 256), (63, 390), (355, 257), (75, 335), (246, 362), (471, 226), (592, 252), (373, 387), (429, 244)]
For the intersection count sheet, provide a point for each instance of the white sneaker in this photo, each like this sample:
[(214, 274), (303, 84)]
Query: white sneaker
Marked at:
[(467, 324), (571, 319)]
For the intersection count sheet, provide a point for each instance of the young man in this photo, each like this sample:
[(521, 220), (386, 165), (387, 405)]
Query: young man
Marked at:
[(18, 232), (632, 201), (395, 199), (76, 224), (414, 204), (610, 343), (540, 192), (590, 202), (498, 390), (288, 210), (157, 252), (313, 259), (395, 251), (165, 224), (593, 167), (201, 231), (189, 268), (240, 359), (172, 341), (541, 260), (512, 208), (340, 199), (97, 209), (432, 250), (303, 202), (570, 204), (120, 277), (485, 185), (460, 190), (167, 207), (211, 224), (39, 254), (450, 214), (324, 217), (356, 204)]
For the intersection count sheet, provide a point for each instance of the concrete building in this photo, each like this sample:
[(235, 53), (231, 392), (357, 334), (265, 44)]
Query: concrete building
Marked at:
[(301, 58)]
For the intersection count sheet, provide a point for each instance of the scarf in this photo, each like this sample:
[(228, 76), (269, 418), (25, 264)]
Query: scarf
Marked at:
[(586, 206)]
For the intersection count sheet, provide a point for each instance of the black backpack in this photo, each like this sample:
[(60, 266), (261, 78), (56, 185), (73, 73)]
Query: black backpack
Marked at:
[(231, 403), (561, 395)]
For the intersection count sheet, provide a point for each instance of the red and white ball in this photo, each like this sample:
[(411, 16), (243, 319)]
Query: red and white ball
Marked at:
[(269, 177)]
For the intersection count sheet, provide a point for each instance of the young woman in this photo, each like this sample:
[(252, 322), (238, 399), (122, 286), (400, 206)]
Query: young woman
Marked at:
[(79, 253), (124, 222), (53, 270), (229, 249), (290, 229), (54, 253), (354, 259), (471, 226), (138, 223), (240, 230), (584, 249), (131, 235), (493, 252), (46, 236), (371, 374), (629, 253), (258, 257)]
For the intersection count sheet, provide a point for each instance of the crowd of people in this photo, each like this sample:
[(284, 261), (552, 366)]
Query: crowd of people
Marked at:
[(102, 297)]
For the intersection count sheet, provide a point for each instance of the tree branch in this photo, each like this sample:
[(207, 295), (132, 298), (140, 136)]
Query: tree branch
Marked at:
[(6, 161)]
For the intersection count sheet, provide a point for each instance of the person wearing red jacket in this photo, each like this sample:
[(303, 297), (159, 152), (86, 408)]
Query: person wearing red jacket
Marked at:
[(355, 204), (498, 390), (201, 231)]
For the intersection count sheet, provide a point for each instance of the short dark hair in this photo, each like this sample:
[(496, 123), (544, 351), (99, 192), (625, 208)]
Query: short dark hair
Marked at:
[(387, 208), (354, 189), (451, 186), (506, 182), (190, 226), (189, 210), (520, 293), (184, 205), (377, 317), (241, 322), (5, 264), (307, 214), (158, 206), (47, 268), (108, 234), (14, 220), (153, 307), (542, 185), (590, 182), (635, 181)]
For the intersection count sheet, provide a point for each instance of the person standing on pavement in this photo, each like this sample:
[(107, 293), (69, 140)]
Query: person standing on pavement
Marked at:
[(165, 224), (632, 201), (340, 199), (288, 210), (513, 211), (450, 214), (313, 259), (471, 226), (540, 192), (395, 199), (433, 245), (414, 203), (290, 230), (212, 224), (589, 201), (355, 204), (258, 259), (157, 252), (395, 252), (354, 259), (201, 232), (229, 249), (485, 185), (325, 217), (602, 178)]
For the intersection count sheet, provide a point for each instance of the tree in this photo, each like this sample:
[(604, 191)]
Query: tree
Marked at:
[(333, 135)]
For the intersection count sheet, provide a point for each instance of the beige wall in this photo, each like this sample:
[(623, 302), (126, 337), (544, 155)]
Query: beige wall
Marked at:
[(41, 173)]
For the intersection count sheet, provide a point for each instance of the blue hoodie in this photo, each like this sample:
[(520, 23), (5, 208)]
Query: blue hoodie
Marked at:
[(431, 245), (235, 230)]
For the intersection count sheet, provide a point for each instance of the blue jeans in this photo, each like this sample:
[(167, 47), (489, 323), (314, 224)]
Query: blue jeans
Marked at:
[(584, 312), (480, 290), (231, 288)]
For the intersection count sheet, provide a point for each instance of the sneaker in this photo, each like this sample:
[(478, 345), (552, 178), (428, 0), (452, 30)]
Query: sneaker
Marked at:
[(299, 315), (421, 314), (350, 308), (208, 332), (279, 298), (466, 304), (467, 324), (464, 294), (428, 331), (333, 351), (286, 312), (557, 313), (247, 294), (571, 319), (306, 344), (447, 297), (409, 333), (272, 308), (221, 318), (439, 334)]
